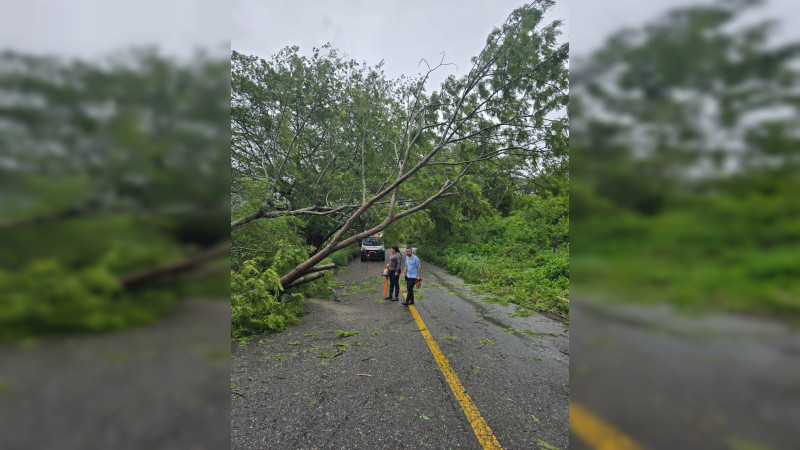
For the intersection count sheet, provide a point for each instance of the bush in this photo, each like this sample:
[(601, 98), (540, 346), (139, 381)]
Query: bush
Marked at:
[(48, 297), (522, 258), (342, 257), (257, 305), (258, 302)]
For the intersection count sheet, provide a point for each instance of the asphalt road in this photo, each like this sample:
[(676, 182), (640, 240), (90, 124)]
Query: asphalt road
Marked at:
[(308, 387), (154, 387), (669, 381)]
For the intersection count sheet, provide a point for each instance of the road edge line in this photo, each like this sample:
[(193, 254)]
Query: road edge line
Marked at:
[(596, 432)]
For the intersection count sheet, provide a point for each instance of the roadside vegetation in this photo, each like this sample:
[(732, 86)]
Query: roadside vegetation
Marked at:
[(521, 257)]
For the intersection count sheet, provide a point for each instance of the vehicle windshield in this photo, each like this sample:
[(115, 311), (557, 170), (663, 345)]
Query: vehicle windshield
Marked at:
[(371, 241)]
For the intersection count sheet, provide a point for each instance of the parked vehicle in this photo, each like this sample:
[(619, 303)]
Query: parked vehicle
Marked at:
[(372, 250)]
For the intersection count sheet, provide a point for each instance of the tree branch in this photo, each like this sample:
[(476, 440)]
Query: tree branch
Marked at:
[(169, 268), (305, 279)]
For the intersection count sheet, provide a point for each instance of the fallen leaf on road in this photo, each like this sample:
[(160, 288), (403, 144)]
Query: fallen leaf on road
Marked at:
[(534, 418)]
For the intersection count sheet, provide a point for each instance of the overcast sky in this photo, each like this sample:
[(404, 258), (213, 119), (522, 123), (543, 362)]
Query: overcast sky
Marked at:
[(400, 32), (92, 28)]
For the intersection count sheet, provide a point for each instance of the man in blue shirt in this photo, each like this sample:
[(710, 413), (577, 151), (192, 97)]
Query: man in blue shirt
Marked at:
[(411, 273)]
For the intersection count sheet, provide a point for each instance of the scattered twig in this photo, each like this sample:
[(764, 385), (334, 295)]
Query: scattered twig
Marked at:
[(239, 394), (363, 375)]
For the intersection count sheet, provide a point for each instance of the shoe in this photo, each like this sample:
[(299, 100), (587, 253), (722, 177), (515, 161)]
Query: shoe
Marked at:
[(395, 299), (404, 304), (387, 298)]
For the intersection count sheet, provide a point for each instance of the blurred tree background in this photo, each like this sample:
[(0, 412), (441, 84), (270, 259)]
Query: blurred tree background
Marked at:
[(111, 190), (684, 185)]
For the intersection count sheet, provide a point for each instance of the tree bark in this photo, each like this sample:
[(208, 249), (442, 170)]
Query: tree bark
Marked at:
[(169, 268), (305, 279)]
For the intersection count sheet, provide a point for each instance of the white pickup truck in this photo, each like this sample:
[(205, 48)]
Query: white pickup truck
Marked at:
[(372, 250)]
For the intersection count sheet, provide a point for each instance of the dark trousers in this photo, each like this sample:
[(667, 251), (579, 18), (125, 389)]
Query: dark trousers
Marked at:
[(410, 282), (394, 285)]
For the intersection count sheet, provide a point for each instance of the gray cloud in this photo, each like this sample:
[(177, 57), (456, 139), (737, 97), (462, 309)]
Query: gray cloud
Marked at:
[(91, 28), (399, 32)]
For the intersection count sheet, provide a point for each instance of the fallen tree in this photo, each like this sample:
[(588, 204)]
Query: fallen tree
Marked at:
[(510, 105)]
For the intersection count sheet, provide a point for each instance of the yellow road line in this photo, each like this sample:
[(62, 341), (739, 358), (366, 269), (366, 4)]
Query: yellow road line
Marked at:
[(479, 426), (597, 433)]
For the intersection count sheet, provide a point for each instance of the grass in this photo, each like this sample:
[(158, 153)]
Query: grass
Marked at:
[(533, 286), (545, 445), (522, 312), (732, 253), (343, 334)]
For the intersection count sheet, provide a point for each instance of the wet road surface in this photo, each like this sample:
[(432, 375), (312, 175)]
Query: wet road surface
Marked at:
[(313, 387), (669, 381)]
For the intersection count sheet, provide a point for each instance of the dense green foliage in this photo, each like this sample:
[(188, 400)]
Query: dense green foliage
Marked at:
[(522, 258), (50, 297), (107, 170), (256, 303), (684, 188)]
